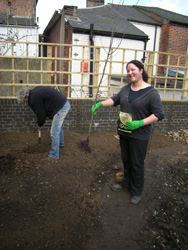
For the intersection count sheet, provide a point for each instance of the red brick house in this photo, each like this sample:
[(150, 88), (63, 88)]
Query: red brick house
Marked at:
[(146, 28), (24, 8), (174, 26), (174, 31), (18, 23)]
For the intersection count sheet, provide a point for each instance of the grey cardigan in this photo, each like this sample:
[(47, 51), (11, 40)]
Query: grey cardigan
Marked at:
[(142, 107)]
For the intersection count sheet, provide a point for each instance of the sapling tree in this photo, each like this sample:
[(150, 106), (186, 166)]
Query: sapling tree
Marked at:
[(85, 144)]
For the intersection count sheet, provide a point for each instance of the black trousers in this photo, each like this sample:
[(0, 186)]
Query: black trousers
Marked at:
[(133, 153)]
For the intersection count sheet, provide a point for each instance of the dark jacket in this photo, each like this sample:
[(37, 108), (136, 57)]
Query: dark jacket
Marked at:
[(142, 107), (45, 102)]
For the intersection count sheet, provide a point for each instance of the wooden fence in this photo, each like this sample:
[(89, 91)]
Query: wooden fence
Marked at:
[(82, 71)]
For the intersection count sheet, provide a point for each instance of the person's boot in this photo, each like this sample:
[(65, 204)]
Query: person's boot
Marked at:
[(135, 199), (119, 187)]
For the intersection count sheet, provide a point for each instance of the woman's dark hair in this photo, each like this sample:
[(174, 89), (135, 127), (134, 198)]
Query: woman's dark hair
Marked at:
[(139, 65)]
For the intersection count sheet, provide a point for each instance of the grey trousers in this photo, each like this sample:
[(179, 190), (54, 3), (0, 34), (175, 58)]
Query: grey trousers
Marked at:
[(133, 153)]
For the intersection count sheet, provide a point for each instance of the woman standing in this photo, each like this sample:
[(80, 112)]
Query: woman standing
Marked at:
[(140, 106)]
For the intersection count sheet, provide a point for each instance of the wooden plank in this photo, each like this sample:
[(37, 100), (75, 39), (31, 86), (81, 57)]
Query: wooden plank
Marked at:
[(96, 70), (49, 63)]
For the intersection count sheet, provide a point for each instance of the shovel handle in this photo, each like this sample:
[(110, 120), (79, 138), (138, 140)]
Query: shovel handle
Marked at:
[(39, 135)]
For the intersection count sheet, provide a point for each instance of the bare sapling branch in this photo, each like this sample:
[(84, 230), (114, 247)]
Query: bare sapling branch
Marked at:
[(85, 144)]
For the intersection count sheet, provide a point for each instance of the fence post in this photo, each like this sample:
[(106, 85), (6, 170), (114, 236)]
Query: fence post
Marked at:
[(49, 63), (150, 66), (96, 70), (185, 80), (62, 41)]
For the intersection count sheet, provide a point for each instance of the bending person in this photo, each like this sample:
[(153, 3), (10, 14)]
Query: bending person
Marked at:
[(47, 102)]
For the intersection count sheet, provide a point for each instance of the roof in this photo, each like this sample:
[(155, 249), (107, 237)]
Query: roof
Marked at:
[(16, 20), (172, 17), (118, 19), (112, 18), (132, 14)]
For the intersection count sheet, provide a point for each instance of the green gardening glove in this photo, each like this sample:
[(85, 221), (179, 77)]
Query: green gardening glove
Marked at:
[(132, 125), (95, 107)]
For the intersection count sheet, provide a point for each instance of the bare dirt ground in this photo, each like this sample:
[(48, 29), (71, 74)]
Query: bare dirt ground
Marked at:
[(68, 204)]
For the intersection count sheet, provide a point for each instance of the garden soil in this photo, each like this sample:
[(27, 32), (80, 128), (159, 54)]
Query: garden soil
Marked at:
[(68, 204)]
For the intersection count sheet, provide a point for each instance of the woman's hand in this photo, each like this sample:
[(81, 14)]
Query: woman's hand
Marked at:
[(95, 107), (132, 125)]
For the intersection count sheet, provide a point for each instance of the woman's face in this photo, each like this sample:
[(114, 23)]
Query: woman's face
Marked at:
[(134, 73)]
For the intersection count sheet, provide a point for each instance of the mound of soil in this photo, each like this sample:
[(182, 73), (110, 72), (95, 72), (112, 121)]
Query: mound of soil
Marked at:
[(68, 204)]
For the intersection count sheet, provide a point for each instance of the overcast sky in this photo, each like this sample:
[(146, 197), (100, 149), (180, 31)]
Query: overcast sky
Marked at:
[(46, 8)]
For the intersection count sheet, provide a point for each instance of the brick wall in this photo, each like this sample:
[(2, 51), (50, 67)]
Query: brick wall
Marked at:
[(54, 34), (54, 37), (14, 117), (93, 3), (174, 39), (17, 7)]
